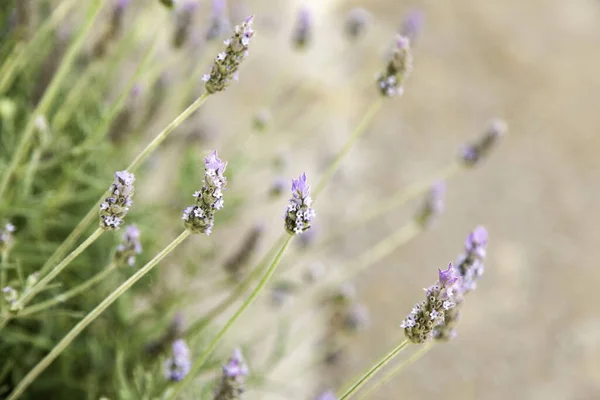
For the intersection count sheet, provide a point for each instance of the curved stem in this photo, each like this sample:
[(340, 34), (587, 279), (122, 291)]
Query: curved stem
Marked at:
[(69, 294), (356, 134), (213, 344), (415, 357), (91, 316), (49, 95), (373, 370)]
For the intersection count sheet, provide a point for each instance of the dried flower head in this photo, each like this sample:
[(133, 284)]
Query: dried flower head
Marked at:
[(218, 21), (433, 205), (412, 25), (129, 247), (237, 263), (114, 208), (469, 268), (6, 236), (200, 217), (183, 22), (227, 62), (302, 33), (357, 21), (179, 364), (473, 153), (425, 316), (299, 214), (231, 386), (391, 81)]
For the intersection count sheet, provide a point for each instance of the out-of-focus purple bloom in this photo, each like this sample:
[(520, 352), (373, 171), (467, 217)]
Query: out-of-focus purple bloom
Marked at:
[(473, 153), (302, 34), (183, 22), (277, 187), (115, 207), (200, 217), (299, 214), (433, 205), (218, 22), (227, 63), (112, 29), (412, 25), (129, 247), (356, 318), (357, 22), (231, 386), (328, 395), (179, 364), (391, 81), (237, 263)]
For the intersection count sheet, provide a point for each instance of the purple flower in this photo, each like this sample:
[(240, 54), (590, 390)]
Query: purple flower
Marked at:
[(357, 21), (115, 207), (299, 214), (390, 82), (231, 386), (218, 22), (227, 63), (473, 153), (199, 218), (302, 33), (433, 205), (179, 364), (328, 395), (129, 247), (412, 25)]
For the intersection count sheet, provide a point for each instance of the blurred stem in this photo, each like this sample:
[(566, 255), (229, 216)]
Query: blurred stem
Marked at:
[(397, 369), (358, 132), (369, 374), (91, 316), (3, 273), (63, 297), (213, 344), (21, 53), (50, 94), (27, 296)]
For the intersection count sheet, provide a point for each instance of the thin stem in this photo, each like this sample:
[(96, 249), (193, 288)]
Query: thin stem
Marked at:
[(213, 344), (358, 132), (3, 267), (382, 363), (27, 296), (397, 369), (69, 294), (49, 95), (91, 316)]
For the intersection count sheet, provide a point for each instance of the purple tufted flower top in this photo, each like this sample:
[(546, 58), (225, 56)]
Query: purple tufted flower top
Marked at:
[(114, 208), (412, 24), (299, 214), (179, 364), (391, 81), (231, 386), (236, 365)]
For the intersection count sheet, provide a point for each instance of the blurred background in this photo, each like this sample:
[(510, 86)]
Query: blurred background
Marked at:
[(532, 329)]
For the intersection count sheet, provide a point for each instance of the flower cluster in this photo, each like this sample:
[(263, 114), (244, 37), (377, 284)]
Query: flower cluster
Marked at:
[(425, 316), (200, 218), (432, 206), (299, 214), (114, 208), (470, 268), (302, 33), (179, 364), (400, 65), (6, 236), (128, 248), (232, 382), (473, 153), (227, 62)]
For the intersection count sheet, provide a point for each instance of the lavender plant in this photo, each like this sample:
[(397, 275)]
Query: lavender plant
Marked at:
[(84, 311)]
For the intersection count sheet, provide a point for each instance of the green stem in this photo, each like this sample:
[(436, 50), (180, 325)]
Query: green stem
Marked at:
[(397, 369), (69, 294), (358, 132), (49, 95), (213, 344), (382, 363), (27, 296), (91, 316)]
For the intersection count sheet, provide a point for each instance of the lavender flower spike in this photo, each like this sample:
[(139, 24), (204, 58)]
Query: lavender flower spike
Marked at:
[(412, 25), (129, 247), (115, 207), (200, 217), (299, 214), (218, 23), (425, 316), (6, 236), (473, 153), (470, 268), (399, 67), (433, 205), (179, 364), (232, 382), (302, 33), (227, 63)]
